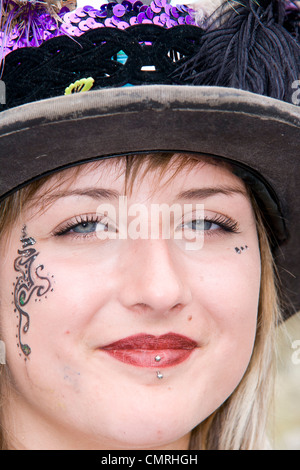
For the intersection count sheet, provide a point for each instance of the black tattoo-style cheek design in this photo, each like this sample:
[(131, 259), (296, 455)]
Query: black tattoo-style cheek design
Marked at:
[(239, 250), (25, 286)]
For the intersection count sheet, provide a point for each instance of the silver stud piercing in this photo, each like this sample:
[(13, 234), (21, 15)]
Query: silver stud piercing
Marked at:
[(159, 375), (157, 358), (2, 353)]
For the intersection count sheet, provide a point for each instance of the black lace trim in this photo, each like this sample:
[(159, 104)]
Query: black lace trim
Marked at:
[(37, 73)]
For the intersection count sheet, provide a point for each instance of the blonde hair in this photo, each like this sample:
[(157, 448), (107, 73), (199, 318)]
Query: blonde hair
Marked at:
[(240, 422)]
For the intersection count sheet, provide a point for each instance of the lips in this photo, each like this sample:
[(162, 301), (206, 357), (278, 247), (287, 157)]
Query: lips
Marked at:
[(145, 350)]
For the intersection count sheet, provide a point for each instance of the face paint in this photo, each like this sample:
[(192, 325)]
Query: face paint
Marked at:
[(240, 249), (26, 285)]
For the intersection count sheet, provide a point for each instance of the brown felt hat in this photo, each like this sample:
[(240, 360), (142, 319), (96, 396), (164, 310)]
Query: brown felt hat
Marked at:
[(257, 134)]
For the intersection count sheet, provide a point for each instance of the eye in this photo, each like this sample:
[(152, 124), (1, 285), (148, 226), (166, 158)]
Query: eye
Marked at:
[(200, 224), (85, 226), (89, 227), (218, 223)]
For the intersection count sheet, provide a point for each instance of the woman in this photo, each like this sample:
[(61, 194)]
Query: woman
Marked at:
[(139, 300)]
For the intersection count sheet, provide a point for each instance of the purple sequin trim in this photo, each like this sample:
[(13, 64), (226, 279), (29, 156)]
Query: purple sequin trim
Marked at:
[(112, 15), (125, 14)]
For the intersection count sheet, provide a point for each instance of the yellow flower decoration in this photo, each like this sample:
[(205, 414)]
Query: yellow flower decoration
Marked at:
[(85, 84)]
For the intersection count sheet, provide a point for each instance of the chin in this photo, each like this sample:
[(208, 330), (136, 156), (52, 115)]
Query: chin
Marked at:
[(154, 431)]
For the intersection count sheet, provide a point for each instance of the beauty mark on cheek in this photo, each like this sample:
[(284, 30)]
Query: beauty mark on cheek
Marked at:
[(29, 281), (240, 249)]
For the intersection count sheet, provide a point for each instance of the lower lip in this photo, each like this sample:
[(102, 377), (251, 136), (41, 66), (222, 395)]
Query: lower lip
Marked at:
[(150, 358)]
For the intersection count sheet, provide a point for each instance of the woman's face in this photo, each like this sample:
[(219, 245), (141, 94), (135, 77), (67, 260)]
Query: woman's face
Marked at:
[(123, 331)]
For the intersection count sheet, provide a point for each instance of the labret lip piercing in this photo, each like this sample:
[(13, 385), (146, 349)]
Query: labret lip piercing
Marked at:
[(159, 375)]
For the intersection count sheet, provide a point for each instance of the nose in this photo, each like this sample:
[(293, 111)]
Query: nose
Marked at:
[(152, 278)]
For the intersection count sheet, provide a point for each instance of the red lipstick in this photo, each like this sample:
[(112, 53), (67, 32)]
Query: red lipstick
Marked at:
[(145, 350)]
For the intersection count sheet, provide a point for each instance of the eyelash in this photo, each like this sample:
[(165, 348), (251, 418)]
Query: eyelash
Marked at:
[(73, 223), (225, 223)]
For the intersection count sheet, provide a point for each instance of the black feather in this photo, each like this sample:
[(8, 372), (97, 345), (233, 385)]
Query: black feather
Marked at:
[(250, 46)]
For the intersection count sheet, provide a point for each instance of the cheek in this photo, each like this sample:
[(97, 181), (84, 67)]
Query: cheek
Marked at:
[(57, 326), (39, 305), (230, 287), (228, 299), (81, 290)]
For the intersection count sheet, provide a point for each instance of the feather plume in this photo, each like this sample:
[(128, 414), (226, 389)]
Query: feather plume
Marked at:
[(14, 10), (22, 22), (27, 17), (251, 45)]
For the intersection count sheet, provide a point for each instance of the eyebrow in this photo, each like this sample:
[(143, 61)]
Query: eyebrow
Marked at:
[(203, 193), (101, 193), (93, 193)]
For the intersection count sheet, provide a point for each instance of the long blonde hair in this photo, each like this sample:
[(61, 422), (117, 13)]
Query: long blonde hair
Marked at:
[(240, 422)]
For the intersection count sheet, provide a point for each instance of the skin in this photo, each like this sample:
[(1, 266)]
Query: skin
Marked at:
[(69, 394)]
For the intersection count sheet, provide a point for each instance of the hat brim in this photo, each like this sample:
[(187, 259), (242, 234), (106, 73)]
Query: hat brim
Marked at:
[(252, 130)]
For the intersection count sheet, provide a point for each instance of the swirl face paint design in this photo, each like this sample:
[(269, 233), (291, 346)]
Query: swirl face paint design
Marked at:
[(26, 285)]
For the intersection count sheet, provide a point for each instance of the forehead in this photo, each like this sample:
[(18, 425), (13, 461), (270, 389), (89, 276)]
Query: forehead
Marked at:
[(142, 174)]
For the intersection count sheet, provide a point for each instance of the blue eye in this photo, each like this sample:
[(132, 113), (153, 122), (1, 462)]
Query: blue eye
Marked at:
[(200, 224), (220, 223), (88, 227), (84, 225)]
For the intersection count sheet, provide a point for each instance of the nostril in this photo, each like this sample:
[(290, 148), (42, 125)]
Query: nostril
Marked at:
[(142, 305), (177, 307)]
